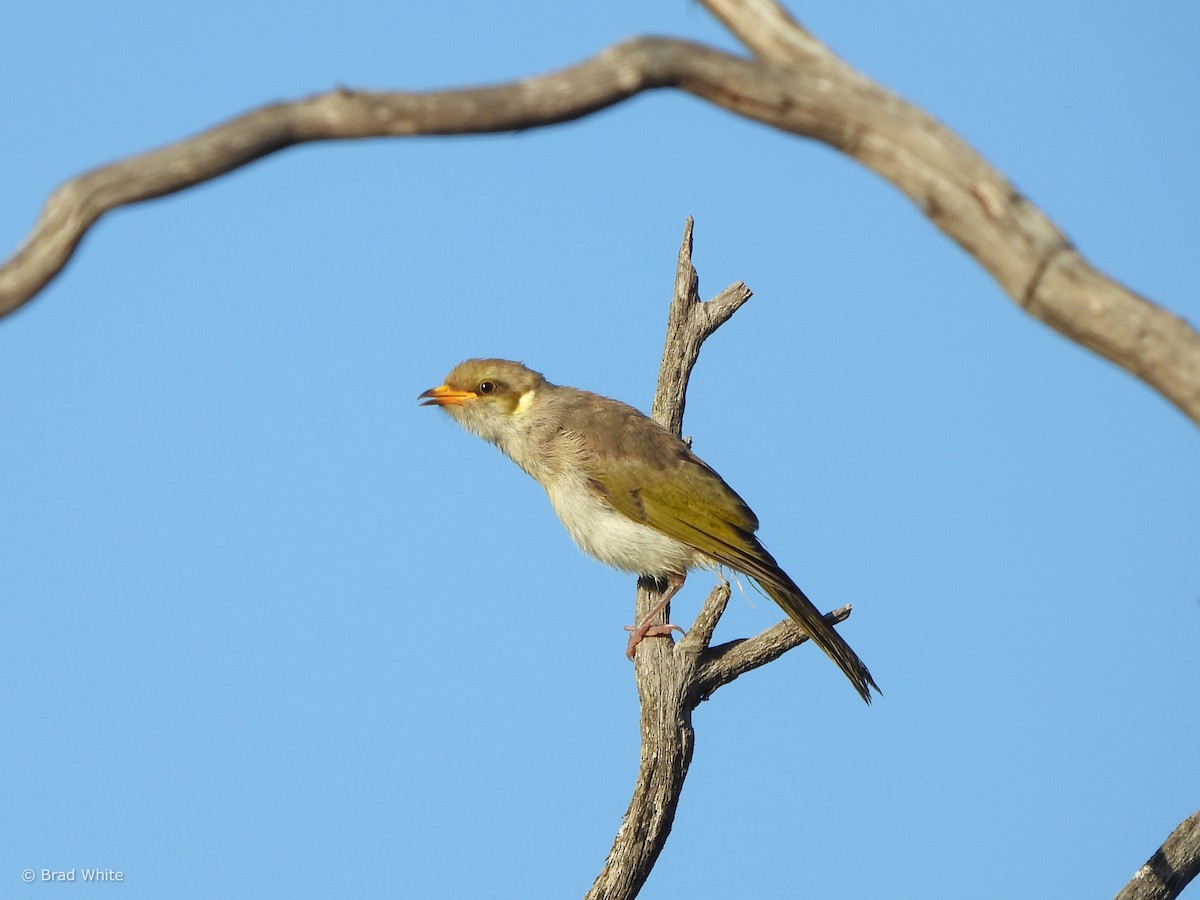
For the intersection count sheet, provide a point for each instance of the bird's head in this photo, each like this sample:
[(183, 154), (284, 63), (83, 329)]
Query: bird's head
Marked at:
[(486, 396)]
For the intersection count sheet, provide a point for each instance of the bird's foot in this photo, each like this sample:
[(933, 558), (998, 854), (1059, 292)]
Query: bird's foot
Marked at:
[(637, 632)]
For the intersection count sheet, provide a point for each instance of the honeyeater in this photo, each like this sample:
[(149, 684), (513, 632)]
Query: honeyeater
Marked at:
[(630, 493)]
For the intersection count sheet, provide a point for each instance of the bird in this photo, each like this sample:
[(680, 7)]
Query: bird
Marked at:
[(629, 492)]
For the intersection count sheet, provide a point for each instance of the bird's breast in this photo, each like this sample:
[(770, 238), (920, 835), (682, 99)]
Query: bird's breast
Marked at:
[(612, 537)]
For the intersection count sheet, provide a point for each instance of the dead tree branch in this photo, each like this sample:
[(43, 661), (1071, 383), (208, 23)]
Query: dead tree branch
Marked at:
[(725, 662), (673, 679), (1171, 868), (794, 83)]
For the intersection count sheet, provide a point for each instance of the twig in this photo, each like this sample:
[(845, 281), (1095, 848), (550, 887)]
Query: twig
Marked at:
[(689, 323), (725, 662), (700, 634)]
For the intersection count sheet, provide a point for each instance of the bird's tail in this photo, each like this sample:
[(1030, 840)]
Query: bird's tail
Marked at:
[(802, 611)]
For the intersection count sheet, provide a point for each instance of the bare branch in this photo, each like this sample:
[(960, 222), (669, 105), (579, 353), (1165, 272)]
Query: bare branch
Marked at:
[(613, 75), (722, 664), (672, 679), (701, 632), (969, 200), (666, 671), (668, 739), (796, 85), (1171, 868), (689, 323)]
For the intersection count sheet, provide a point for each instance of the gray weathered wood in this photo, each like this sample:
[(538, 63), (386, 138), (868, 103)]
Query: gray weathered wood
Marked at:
[(793, 83)]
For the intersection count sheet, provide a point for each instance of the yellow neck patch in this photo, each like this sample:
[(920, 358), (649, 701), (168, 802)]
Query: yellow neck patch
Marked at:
[(523, 403)]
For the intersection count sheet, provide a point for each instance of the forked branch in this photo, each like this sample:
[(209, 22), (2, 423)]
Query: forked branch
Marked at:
[(673, 679)]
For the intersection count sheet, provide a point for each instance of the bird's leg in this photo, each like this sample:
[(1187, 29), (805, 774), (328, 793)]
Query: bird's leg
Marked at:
[(644, 628)]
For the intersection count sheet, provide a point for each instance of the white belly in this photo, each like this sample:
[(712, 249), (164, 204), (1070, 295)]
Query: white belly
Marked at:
[(615, 539)]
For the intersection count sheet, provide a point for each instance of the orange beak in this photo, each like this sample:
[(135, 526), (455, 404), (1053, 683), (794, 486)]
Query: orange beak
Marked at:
[(444, 395)]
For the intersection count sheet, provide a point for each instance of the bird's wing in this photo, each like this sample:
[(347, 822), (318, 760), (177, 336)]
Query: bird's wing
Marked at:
[(692, 504), (695, 506), (653, 477)]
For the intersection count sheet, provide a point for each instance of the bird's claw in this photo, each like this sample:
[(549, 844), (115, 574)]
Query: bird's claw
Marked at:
[(637, 632)]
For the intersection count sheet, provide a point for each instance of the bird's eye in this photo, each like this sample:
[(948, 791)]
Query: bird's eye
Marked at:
[(487, 387)]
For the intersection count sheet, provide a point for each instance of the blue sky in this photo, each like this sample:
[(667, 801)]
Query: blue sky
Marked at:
[(270, 629)]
